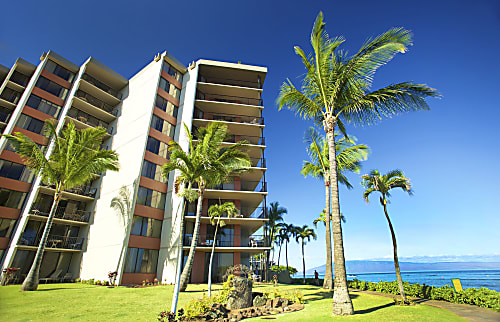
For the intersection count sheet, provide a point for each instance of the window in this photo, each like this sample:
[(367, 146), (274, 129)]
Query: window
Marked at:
[(166, 106), (31, 124), (157, 147), (51, 87), (15, 171), (162, 126), (172, 72), (11, 198), (169, 88), (59, 71), (10, 95), (147, 227), (42, 105), (141, 260), (6, 227), (152, 171), (150, 198), (5, 114)]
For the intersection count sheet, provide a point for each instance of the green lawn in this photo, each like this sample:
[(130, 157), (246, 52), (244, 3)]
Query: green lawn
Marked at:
[(60, 302)]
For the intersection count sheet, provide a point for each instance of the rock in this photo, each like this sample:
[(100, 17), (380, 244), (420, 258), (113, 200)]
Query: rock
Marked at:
[(259, 301), (240, 296), (269, 303), (286, 308), (276, 302), (284, 302)]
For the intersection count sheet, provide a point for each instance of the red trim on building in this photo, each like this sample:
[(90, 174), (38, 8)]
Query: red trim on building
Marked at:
[(37, 138), (56, 79), (153, 184), (172, 80), (4, 242), (11, 156), (16, 185), (159, 136), (137, 278), (149, 212), (36, 114), (144, 242), (165, 116), (47, 96), (155, 158), (9, 213), (168, 97)]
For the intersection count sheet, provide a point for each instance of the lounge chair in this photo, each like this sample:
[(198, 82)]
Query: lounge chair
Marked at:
[(67, 277), (53, 277)]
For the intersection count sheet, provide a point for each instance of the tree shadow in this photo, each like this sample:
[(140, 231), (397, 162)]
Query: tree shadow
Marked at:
[(324, 295), (373, 309), (57, 288)]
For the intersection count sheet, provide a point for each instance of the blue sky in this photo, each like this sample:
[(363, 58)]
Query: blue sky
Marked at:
[(450, 152)]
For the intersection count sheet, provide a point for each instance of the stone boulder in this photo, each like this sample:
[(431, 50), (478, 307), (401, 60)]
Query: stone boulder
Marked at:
[(240, 296), (259, 301)]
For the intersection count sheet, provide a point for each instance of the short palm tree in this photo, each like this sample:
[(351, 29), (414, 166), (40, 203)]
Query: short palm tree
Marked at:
[(349, 157), (304, 234), (215, 212), (337, 89), (275, 215), (206, 164), (288, 230), (384, 183), (76, 159), (282, 236)]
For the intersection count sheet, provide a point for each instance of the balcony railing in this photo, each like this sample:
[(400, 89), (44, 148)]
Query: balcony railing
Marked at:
[(19, 78), (258, 162), (86, 191), (64, 242), (255, 140), (198, 114), (10, 95), (258, 241), (207, 241), (258, 212), (255, 186), (229, 99), (4, 115), (94, 101), (232, 82), (100, 85), (89, 119), (63, 213)]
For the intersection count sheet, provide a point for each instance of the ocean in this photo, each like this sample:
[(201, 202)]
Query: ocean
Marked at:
[(469, 278)]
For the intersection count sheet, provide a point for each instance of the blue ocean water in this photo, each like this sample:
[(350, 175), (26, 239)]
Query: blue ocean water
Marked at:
[(469, 278)]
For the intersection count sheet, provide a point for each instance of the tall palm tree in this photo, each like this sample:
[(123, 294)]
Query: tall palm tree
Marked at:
[(304, 234), (384, 183), (275, 216), (282, 236), (206, 164), (76, 158), (215, 212), (349, 157), (288, 232), (322, 218), (336, 89)]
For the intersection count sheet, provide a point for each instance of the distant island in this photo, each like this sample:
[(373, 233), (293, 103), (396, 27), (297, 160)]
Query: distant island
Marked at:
[(385, 266)]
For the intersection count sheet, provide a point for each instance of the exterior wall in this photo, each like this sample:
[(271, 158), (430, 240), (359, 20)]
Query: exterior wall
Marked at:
[(108, 241)]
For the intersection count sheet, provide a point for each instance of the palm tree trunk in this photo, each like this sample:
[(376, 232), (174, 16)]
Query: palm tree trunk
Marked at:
[(303, 262), (395, 249), (342, 304), (286, 253), (186, 272), (31, 281), (175, 297), (328, 282), (279, 254), (211, 259)]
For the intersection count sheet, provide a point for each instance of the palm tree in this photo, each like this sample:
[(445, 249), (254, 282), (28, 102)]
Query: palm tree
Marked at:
[(383, 184), (282, 237), (322, 218), (288, 230), (216, 212), (304, 233), (206, 164), (275, 216), (76, 158), (124, 206), (337, 89), (349, 157)]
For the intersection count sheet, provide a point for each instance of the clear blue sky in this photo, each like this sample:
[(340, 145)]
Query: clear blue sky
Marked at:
[(450, 152)]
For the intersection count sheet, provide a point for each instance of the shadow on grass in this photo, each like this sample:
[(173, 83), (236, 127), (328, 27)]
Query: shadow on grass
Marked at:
[(324, 295), (373, 309), (59, 288)]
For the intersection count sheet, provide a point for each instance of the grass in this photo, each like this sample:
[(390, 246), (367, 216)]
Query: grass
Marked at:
[(62, 302)]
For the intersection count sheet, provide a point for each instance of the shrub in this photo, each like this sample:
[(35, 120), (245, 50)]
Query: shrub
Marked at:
[(292, 295), (482, 297), (282, 268)]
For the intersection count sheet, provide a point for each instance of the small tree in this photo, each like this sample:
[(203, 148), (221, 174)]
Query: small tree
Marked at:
[(304, 234), (76, 159), (383, 184), (216, 212)]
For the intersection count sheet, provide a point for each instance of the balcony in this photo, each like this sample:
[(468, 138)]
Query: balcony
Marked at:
[(95, 101), (61, 242), (19, 78), (63, 213), (101, 85), (258, 162), (247, 119), (89, 120), (255, 140), (10, 95), (207, 240), (252, 186), (85, 191), (229, 99), (232, 82)]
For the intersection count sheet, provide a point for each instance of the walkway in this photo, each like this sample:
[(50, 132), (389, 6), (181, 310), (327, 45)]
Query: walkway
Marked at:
[(470, 312)]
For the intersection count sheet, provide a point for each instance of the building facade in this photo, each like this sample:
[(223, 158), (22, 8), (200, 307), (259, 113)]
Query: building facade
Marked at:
[(129, 221)]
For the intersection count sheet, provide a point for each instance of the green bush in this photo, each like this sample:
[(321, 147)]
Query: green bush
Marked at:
[(282, 268), (309, 281), (482, 297), (292, 295)]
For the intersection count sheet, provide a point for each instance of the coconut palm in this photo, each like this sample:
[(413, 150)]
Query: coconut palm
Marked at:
[(282, 236), (337, 89), (349, 156), (206, 164), (304, 234), (384, 183), (76, 158), (275, 215), (215, 212), (322, 218), (288, 230)]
